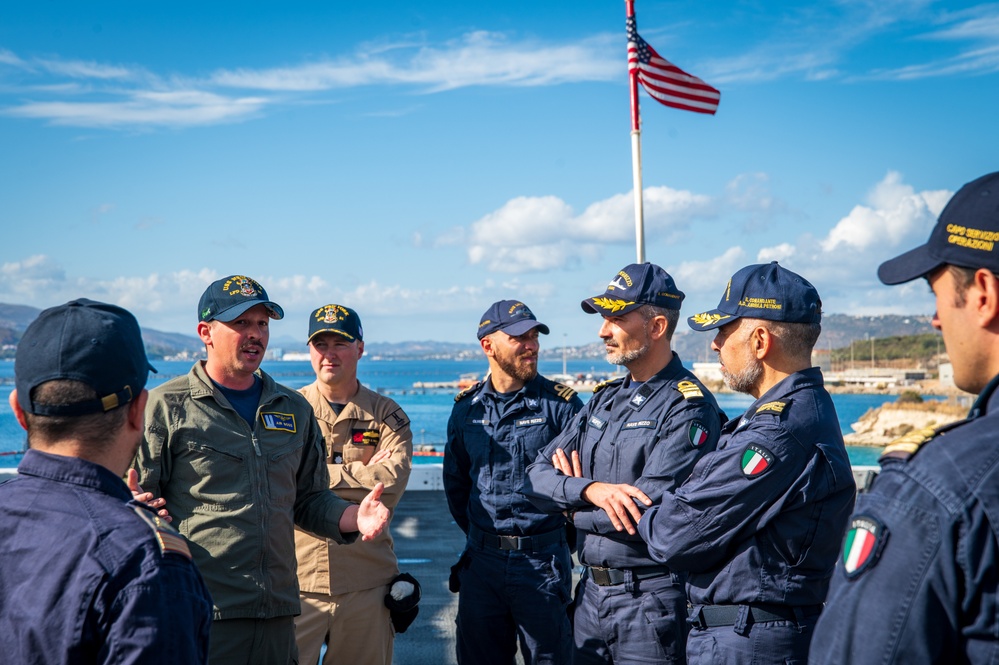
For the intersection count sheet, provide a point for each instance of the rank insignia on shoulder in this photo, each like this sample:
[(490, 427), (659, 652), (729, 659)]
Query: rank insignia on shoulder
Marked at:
[(564, 391), (773, 407), (689, 389), (168, 538), (756, 460), (697, 434), (863, 545), (603, 384), (467, 391), (904, 447)]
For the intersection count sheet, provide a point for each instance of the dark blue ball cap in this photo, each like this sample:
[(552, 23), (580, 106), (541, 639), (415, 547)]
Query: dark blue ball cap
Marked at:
[(510, 316), (966, 235), (338, 320), (87, 341), (764, 291), (635, 285), (225, 299)]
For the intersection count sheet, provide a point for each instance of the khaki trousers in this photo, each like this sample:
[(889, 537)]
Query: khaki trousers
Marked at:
[(356, 628)]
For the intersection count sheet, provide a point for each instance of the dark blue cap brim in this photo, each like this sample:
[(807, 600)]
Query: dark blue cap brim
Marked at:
[(331, 331), (225, 316), (520, 327), (909, 266), (710, 320)]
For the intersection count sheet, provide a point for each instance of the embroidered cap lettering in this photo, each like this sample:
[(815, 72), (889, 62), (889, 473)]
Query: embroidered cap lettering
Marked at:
[(755, 460), (284, 422), (864, 542)]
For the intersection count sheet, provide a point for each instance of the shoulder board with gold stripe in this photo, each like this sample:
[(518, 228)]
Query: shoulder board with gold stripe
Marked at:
[(776, 406), (906, 446), (467, 391), (168, 538), (563, 391), (603, 384), (689, 389)]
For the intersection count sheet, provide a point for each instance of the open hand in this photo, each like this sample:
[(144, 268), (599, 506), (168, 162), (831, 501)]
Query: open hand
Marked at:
[(372, 514), (146, 497)]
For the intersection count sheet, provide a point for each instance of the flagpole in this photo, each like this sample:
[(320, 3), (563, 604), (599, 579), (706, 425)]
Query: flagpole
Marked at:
[(636, 151)]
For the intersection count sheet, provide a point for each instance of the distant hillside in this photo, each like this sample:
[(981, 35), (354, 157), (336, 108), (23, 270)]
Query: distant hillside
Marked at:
[(838, 330)]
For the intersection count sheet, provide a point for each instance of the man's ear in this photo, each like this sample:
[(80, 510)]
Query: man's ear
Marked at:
[(761, 342), (16, 408), (487, 346), (984, 291), (137, 411), (205, 332)]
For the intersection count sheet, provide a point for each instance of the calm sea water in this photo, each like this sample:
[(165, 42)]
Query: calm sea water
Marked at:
[(428, 409)]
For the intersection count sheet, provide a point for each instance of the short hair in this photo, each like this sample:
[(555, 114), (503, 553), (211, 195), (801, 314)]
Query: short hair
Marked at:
[(963, 278), (93, 430), (796, 339), (672, 316)]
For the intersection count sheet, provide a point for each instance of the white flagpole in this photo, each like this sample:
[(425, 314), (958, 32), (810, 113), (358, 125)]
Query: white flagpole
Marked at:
[(636, 151)]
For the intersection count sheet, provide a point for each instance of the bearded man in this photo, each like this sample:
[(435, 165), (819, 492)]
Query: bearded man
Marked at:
[(515, 575), (758, 525), (637, 439)]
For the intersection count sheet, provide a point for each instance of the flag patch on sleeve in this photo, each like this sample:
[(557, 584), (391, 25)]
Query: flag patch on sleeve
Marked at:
[(756, 460), (863, 544), (697, 433)]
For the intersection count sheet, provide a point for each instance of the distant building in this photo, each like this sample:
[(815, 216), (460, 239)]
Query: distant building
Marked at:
[(707, 372), (947, 375)]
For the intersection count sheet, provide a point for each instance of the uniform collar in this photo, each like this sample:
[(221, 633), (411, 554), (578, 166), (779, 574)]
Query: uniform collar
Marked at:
[(201, 384), (529, 395), (806, 378), (642, 392), (987, 400), (359, 407), (73, 470)]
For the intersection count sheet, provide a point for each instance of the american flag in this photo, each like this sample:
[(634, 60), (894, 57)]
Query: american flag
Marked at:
[(667, 83)]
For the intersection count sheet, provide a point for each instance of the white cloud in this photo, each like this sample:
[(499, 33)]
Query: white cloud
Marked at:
[(533, 234), (895, 212)]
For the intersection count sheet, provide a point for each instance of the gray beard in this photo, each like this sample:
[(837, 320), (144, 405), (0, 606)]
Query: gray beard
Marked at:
[(625, 357), (743, 382)]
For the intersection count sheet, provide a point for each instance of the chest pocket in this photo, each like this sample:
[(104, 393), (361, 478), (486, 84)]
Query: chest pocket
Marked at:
[(361, 442), (219, 478), (531, 435), (630, 447), (283, 461), (479, 447)]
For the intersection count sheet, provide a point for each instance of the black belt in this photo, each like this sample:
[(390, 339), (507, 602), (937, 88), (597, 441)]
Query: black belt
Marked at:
[(612, 576), (517, 543), (711, 616)]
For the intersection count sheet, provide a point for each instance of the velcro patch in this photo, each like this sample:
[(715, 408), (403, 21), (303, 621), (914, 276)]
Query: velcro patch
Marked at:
[(689, 389), (697, 434), (396, 420), (365, 437), (477, 421), (530, 422), (756, 460), (596, 423), (640, 424), (284, 422), (168, 538), (864, 541)]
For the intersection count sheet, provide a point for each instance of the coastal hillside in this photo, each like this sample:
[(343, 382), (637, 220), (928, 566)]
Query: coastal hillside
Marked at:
[(838, 331), (881, 426)]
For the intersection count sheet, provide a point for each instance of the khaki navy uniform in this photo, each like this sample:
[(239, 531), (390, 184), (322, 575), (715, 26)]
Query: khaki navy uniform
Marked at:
[(343, 587)]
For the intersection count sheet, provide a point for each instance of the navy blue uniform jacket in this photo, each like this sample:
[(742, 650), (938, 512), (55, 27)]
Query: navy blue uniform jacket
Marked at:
[(925, 588), (88, 577), (644, 434), (761, 519)]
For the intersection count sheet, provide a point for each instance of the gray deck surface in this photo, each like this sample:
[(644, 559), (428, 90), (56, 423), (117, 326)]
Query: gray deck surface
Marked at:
[(427, 542)]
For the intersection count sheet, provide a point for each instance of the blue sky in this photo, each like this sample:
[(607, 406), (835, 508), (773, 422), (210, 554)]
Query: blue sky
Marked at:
[(418, 160)]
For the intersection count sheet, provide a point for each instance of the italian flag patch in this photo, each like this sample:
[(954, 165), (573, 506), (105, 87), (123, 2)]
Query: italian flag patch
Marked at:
[(863, 544), (697, 433), (755, 460)]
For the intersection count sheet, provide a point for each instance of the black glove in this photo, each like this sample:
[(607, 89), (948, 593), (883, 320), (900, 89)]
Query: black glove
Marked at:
[(403, 600)]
